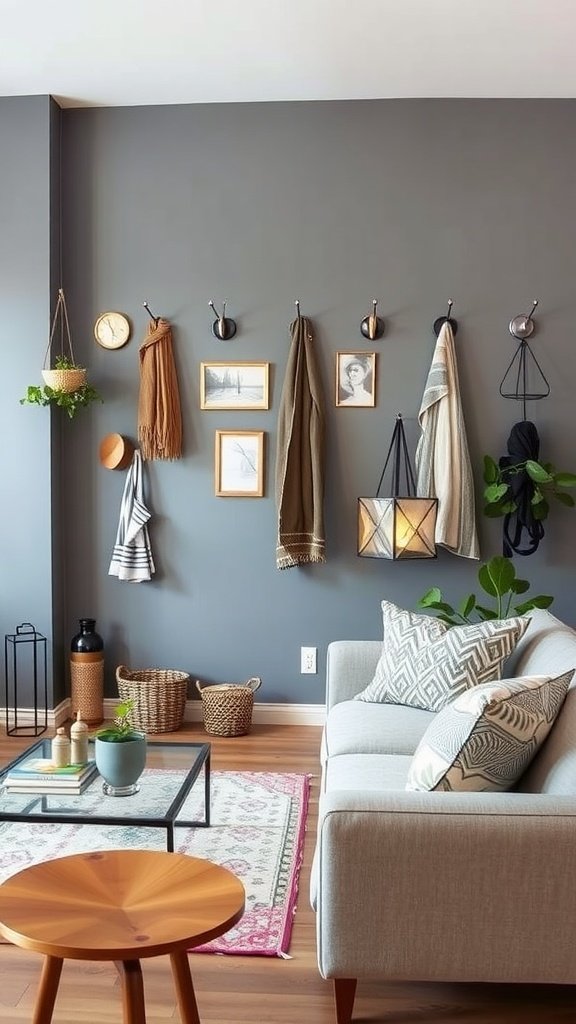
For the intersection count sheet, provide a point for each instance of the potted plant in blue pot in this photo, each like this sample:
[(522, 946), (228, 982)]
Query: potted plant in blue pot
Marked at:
[(120, 753)]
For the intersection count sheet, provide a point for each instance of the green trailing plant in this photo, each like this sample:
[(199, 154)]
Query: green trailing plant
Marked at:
[(547, 483), (121, 729), (71, 401), (499, 581)]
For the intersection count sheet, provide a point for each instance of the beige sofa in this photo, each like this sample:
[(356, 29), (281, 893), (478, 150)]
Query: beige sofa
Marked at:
[(440, 886)]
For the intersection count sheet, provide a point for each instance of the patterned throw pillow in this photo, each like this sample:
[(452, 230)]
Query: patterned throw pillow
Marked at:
[(425, 663), (487, 737)]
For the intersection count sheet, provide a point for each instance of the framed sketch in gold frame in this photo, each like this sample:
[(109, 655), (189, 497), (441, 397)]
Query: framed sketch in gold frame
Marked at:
[(234, 385), (239, 464), (356, 379)]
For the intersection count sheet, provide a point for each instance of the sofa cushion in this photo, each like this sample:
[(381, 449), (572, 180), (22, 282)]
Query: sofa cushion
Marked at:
[(354, 727), (548, 647), (366, 772), (425, 664), (486, 738)]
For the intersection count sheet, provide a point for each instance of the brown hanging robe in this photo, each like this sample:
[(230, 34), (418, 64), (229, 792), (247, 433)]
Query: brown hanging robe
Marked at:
[(300, 456), (159, 414)]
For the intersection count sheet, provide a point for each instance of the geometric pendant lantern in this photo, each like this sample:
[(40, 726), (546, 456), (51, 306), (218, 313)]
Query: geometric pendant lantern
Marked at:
[(401, 526)]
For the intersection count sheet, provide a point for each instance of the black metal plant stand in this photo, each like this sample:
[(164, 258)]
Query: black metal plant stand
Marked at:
[(25, 652), (524, 365)]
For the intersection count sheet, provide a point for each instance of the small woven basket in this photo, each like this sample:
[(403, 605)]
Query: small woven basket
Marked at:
[(159, 696), (228, 707), (65, 380)]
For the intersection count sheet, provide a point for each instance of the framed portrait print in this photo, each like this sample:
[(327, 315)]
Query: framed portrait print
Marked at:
[(356, 379), (239, 464), (234, 385)]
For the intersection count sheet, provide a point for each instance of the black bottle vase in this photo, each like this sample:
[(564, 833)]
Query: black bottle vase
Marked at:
[(87, 673)]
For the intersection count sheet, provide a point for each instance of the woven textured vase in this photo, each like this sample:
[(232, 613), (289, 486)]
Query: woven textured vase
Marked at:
[(87, 673)]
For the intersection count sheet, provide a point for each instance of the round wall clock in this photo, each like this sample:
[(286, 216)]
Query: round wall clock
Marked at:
[(112, 330)]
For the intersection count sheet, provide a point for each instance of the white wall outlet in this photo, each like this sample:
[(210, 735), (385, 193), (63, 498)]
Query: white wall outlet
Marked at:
[(308, 660)]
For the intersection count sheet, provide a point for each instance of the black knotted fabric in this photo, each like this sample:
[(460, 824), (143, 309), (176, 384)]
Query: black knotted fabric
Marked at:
[(522, 532)]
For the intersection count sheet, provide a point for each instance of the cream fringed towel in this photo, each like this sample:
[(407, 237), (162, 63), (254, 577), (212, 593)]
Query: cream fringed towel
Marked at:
[(300, 456), (159, 415), (442, 458)]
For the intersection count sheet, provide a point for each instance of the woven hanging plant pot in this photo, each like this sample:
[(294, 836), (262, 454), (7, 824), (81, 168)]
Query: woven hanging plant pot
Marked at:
[(66, 377), (66, 384), (65, 380)]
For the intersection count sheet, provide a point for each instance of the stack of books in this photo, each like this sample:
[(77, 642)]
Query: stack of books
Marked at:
[(40, 775)]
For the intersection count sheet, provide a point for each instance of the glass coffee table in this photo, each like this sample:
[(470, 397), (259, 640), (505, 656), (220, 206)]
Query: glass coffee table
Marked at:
[(163, 800)]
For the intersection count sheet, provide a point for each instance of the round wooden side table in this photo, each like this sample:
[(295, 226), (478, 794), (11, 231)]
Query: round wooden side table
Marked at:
[(119, 905)]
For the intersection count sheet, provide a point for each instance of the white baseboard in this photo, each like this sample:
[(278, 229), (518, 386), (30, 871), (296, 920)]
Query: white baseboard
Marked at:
[(54, 716), (262, 714)]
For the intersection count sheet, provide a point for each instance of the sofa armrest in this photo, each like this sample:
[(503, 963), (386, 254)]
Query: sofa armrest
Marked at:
[(350, 666), (447, 887)]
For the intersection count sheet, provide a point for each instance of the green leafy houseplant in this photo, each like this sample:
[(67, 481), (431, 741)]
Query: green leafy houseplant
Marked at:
[(547, 482), (499, 581), (121, 729), (71, 401)]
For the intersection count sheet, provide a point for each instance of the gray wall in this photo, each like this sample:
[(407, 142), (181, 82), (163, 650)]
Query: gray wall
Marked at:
[(29, 453), (412, 202)]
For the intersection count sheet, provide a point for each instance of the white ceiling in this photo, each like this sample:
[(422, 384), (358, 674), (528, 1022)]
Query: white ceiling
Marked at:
[(129, 52)]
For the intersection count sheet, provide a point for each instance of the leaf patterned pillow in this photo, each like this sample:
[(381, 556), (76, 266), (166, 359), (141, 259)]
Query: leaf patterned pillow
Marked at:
[(488, 736)]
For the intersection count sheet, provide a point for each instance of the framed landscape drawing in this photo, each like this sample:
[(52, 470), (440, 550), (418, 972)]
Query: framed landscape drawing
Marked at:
[(239, 464), (234, 385), (355, 379)]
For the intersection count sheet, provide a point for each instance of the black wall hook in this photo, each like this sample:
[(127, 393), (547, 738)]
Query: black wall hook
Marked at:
[(150, 313), (223, 327), (446, 320), (372, 326), (522, 326)]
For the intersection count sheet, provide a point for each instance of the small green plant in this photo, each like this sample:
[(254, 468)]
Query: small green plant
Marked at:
[(71, 401), (65, 363), (499, 581), (547, 482), (121, 729)]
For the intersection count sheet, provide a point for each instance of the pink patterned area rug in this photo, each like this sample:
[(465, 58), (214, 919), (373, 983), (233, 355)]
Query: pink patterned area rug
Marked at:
[(258, 822)]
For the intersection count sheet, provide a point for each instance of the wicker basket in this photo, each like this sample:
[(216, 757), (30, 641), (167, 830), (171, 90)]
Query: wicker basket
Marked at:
[(228, 707), (65, 380), (159, 696)]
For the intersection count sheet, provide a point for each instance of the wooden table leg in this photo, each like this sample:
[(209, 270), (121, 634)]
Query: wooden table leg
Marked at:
[(49, 981), (130, 973), (184, 987)]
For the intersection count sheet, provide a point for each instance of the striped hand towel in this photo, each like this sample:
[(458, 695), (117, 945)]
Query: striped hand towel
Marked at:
[(132, 556)]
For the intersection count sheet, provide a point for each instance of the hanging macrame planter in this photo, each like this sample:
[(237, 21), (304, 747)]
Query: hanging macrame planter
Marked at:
[(65, 384), (66, 376)]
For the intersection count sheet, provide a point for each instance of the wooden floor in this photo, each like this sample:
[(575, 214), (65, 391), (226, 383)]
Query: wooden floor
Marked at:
[(260, 989)]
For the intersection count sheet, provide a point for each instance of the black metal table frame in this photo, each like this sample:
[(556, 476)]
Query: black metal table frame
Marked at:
[(73, 816)]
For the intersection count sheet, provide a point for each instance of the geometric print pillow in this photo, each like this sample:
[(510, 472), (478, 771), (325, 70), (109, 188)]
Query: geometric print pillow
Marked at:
[(425, 663), (487, 737)]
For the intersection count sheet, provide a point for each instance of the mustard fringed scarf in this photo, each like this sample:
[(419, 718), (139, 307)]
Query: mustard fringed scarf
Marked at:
[(159, 415), (300, 456)]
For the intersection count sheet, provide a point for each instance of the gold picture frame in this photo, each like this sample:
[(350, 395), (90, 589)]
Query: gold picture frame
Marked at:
[(232, 385), (356, 380), (239, 464)]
